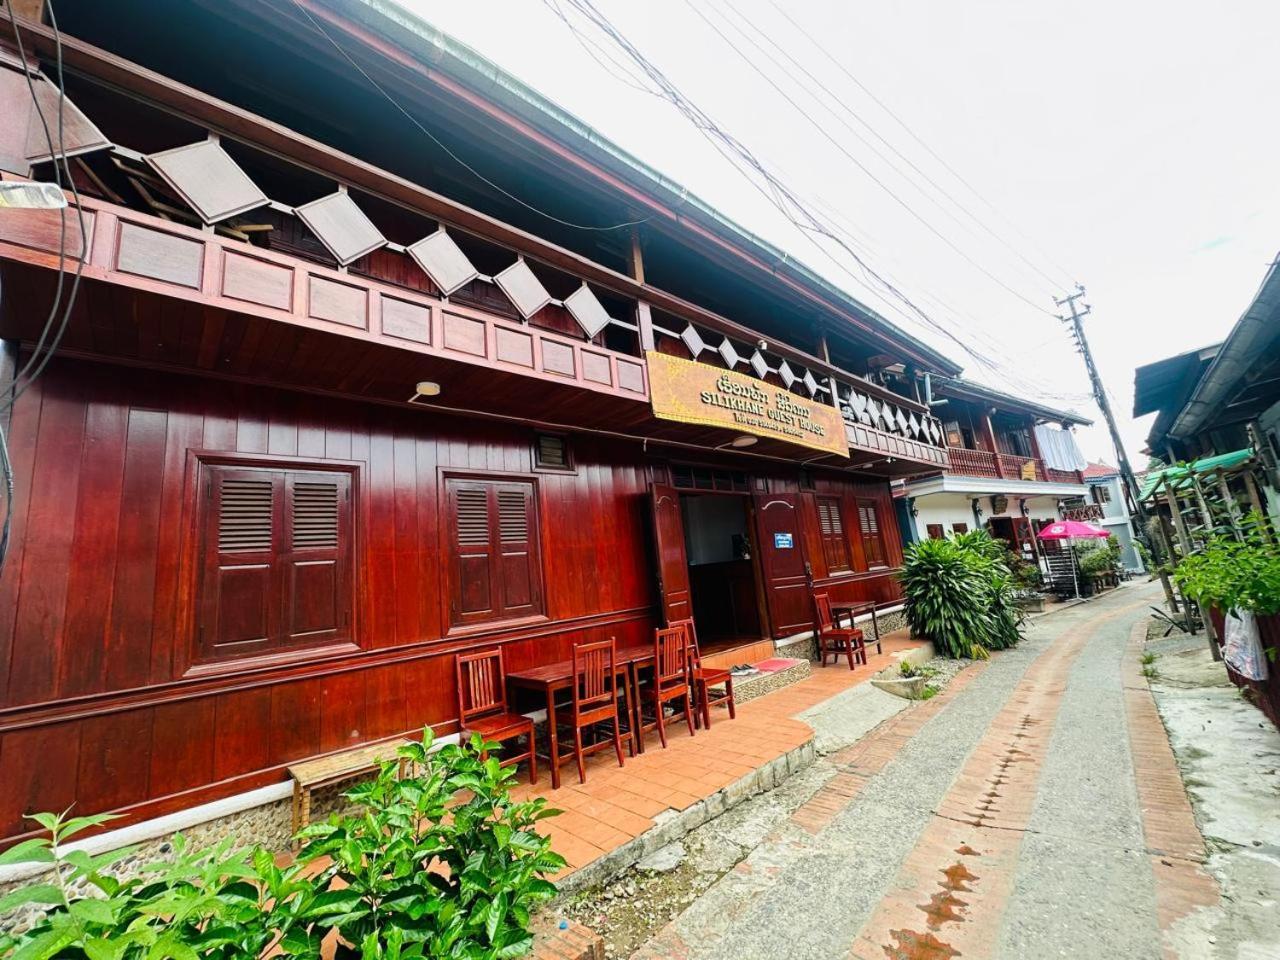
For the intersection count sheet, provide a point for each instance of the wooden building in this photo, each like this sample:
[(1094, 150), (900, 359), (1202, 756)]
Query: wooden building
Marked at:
[(360, 377), (1013, 466)]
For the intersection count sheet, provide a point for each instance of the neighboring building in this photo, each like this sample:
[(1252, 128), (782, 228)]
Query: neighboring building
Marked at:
[(1012, 465), (1111, 510), (1223, 399), (340, 399)]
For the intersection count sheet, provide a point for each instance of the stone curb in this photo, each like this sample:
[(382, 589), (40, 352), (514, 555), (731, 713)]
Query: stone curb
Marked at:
[(672, 825)]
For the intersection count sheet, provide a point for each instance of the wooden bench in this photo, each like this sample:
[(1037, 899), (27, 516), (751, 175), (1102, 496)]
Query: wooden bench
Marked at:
[(311, 775)]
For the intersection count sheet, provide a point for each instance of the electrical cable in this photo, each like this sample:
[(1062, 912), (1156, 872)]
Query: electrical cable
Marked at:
[(39, 363), (914, 136), (840, 105), (434, 139), (781, 196), (751, 62)]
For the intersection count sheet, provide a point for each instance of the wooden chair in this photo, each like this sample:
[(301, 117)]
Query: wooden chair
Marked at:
[(704, 679), (595, 698), (670, 680), (482, 705), (833, 640)]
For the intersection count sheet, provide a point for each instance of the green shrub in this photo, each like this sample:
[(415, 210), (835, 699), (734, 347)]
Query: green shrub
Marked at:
[(388, 860), (960, 595), (220, 903), (1229, 573)]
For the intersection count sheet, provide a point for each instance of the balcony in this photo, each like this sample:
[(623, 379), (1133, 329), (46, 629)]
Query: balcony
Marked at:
[(1006, 466)]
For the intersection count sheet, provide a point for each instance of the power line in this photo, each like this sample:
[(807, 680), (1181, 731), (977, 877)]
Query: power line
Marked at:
[(439, 143), (864, 168), (841, 106), (914, 136), (779, 194)]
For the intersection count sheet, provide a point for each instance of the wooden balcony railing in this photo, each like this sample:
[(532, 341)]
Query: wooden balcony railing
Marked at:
[(1013, 467), (1006, 466), (973, 463), (1064, 476)]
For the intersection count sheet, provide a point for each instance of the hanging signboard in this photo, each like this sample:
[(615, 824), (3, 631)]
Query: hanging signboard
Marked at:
[(1028, 470), (691, 392)]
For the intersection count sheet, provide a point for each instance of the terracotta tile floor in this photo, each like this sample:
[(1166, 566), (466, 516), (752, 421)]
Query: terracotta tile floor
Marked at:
[(619, 803)]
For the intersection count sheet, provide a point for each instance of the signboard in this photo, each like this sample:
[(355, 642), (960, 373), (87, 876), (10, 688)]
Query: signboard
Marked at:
[(783, 541), (1028, 470), (691, 392)]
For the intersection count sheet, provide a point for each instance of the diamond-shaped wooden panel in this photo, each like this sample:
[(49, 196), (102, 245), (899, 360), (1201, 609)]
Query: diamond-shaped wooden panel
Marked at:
[(759, 364), (79, 134), (787, 374), (523, 288), (443, 261), (207, 178), (587, 309), (341, 226), (810, 383), (693, 341), (728, 354)]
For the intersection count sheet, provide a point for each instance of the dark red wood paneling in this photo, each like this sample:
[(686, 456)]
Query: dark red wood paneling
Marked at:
[(98, 700)]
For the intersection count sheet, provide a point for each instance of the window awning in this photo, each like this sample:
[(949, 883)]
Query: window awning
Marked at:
[(1178, 476)]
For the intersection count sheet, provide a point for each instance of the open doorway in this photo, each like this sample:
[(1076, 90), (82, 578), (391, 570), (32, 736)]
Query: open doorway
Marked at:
[(720, 556)]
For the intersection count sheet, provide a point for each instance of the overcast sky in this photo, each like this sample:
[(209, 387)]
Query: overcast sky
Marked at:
[(1127, 145)]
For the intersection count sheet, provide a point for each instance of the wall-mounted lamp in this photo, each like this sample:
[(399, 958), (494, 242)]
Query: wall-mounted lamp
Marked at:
[(740, 442)]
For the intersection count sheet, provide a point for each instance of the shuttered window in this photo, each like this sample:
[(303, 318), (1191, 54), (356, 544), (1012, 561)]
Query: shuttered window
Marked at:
[(495, 567), (835, 548), (276, 557), (872, 539), (936, 531), (551, 452)]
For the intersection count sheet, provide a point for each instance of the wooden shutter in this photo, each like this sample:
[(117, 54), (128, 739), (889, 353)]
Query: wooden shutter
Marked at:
[(473, 576), (936, 531), (235, 614), (517, 549), (496, 572), (315, 569), (276, 560), (835, 550), (872, 544)]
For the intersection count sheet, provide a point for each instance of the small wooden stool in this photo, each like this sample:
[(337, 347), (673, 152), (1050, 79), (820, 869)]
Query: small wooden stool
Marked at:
[(325, 771)]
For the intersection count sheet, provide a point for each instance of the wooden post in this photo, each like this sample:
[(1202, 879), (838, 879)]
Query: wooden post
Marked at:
[(1172, 499), (1255, 500), (991, 440), (1229, 501), (644, 315)]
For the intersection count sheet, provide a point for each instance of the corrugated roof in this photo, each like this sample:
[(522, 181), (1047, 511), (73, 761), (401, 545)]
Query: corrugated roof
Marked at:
[(960, 387), (1178, 475)]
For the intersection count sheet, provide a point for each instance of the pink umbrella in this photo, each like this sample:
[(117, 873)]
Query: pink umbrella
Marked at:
[(1071, 530)]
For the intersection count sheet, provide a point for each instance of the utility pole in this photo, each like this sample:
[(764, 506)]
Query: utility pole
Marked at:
[(1100, 395)]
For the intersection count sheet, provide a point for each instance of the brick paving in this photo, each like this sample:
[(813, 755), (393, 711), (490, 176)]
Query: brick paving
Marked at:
[(617, 804), (993, 868), (1174, 844)]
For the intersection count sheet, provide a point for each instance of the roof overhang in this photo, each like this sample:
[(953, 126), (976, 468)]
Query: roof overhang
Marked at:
[(984, 486), (423, 42), (1246, 359), (969, 390)]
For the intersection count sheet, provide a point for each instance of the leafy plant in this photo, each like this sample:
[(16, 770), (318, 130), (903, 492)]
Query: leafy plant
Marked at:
[(961, 595), (1234, 574), (442, 863), (218, 902), (419, 876)]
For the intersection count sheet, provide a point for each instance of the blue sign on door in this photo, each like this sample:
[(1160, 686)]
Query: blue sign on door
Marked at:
[(783, 541)]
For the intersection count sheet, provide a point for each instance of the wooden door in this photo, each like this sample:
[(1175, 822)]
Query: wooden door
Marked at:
[(783, 565), (673, 565)]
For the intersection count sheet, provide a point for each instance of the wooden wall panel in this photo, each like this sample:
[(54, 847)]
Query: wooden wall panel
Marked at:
[(98, 703)]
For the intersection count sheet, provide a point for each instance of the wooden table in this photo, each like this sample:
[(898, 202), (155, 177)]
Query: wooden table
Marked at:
[(551, 678), (854, 609)]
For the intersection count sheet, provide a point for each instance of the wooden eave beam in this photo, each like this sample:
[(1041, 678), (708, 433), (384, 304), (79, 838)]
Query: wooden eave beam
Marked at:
[(229, 120)]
